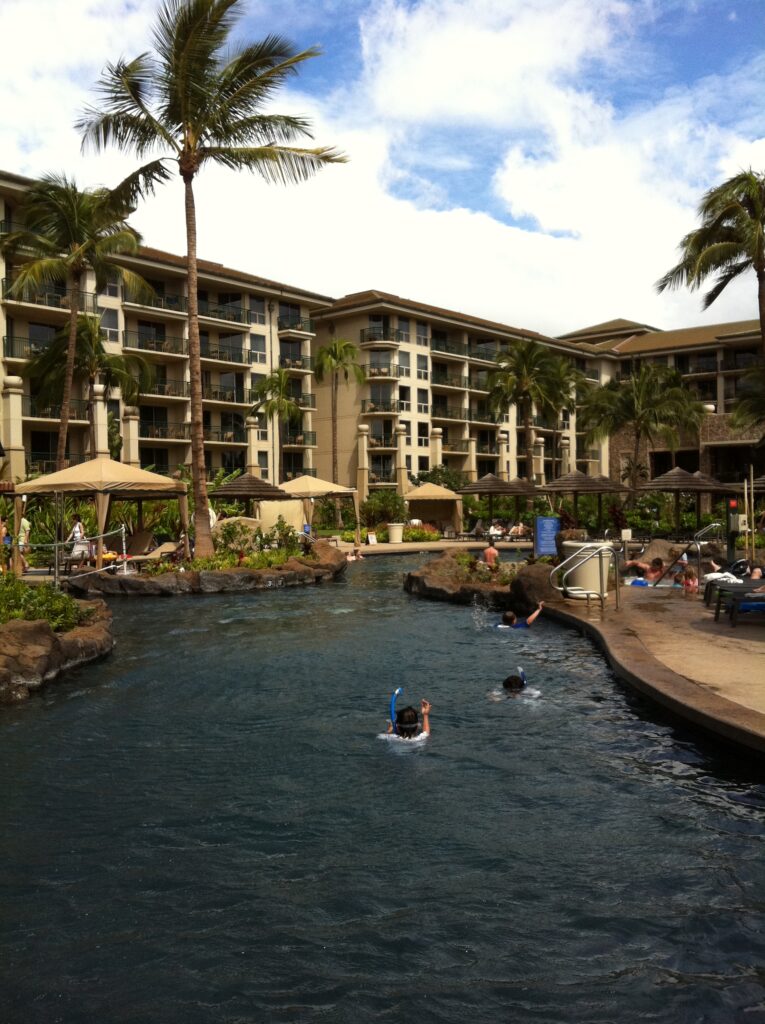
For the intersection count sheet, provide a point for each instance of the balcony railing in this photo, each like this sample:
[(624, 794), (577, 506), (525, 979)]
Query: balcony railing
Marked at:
[(45, 462), (299, 363), (305, 438), (382, 441), (290, 474), (238, 396), (393, 405), (169, 303), (448, 412), (481, 416), (479, 383), (456, 447), (295, 323), (382, 472), (453, 348), (224, 354), (233, 313), (22, 348), (700, 366), (544, 423), (165, 431), (305, 401), (487, 449), (486, 352), (232, 435), (52, 296), (168, 388), (146, 343), (742, 361), (78, 409), (386, 370), (448, 380), (368, 335)]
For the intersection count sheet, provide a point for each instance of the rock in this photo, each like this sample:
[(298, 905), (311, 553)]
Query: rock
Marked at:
[(31, 654)]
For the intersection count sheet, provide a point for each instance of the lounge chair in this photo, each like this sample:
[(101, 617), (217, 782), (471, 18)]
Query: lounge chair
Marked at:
[(166, 550)]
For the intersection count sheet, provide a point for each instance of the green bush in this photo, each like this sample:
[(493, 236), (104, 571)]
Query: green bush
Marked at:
[(20, 601), (383, 507)]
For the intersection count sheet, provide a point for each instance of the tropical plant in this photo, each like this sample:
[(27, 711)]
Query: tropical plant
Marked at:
[(204, 99), (442, 475), (564, 383), (651, 403), (20, 601), (93, 365), (66, 233), (275, 399), (338, 359), (383, 506), (749, 408), (729, 241), (114, 436), (521, 379)]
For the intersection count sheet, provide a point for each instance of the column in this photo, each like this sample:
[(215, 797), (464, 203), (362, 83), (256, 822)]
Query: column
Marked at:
[(130, 453), (12, 430), (565, 455), (402, 481), (472, 470), (99, 419), (504, 455), (539, 460), (362, 462), (251, 428), (436, 446)]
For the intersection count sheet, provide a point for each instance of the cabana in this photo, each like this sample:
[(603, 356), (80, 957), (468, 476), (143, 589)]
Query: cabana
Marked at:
[(310, 487), (491, 486), (431, 502), (577, 483), (251, 489), (104, 479), (678, 481)]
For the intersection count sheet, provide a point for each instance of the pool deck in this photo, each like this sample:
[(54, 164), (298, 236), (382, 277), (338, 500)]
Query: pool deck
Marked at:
[(668, 647)]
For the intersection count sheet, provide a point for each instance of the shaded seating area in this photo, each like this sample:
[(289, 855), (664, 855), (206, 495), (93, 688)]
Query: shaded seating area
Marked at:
[(433, 503)]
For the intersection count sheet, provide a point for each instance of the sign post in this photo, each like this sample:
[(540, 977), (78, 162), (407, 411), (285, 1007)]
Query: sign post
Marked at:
[(545, 529)]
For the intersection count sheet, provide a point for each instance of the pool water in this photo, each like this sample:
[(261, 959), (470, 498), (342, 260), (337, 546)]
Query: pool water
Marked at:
[(206, 828)]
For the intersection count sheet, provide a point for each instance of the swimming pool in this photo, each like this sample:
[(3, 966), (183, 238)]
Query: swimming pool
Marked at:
[(205, 828)]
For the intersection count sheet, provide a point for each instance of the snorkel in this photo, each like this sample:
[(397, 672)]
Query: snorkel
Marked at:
[(522, 674), (393, 699)]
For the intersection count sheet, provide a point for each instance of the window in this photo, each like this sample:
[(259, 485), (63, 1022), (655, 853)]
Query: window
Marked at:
[(263, 464), (113, 410), (406, 424), (109, 324), (423, 400), (112, 286), (423, 463), (422, 367), (231, 460), (155, 459), (422, 332), (403, 326), (403, 362), (289, 314), (257, 310), (409, 463), (257, 348)]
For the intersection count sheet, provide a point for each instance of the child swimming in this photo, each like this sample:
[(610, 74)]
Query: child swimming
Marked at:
[(404, 724), (514, 686), (511, 621)]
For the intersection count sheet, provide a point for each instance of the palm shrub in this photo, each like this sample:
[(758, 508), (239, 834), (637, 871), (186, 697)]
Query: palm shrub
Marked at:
[(383, 506)]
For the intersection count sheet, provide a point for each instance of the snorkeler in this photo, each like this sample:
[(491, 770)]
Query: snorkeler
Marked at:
[(515, 683), (405, 723)]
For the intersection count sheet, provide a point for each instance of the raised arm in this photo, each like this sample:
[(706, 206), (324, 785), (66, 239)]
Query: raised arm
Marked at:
[(535, 614), (425, 709)]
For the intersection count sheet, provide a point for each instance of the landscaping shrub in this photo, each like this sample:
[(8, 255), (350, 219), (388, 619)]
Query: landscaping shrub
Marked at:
[(19, 601)]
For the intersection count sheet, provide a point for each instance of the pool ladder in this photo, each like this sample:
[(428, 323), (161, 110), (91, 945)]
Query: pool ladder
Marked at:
[(577, 558)]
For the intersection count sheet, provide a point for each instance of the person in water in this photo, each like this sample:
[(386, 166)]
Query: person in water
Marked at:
[(650, 571), (408, 722), (514, 683), (511, 621)]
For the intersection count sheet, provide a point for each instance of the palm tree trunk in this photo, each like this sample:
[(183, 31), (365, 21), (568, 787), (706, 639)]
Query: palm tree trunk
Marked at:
[(71, 351), (334, 427), (282, 440), (761, 304), (92, 416), (527, 432), (203, 547)]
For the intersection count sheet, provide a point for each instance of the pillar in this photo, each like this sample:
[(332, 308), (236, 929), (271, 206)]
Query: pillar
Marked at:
[(436, 446), (362, 462), (100, 422), (251, 428), (565, 455), (472, 470), (504, 455), (130, 453), (12, 430), (402, 480), (539, 460)]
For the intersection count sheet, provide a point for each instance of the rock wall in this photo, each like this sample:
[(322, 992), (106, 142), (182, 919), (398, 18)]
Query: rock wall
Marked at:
[(31, 654)]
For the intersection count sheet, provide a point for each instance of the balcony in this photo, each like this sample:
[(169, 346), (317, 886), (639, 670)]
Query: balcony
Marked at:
[(301, 439), (447, 380), (303, 363), (481, 416), (448, 412), (696, 366), (488, 352), (230, 435), (172, 346), (231, 313), (50, 296), (382, 441), (741, 361), (305, 401), (235, 396), (380, 337), (291, 474), (176, 304), (22, 348), (224, 353), (373, 407), (479, 383), (34, 409), (390, 371), (45, 462), (295, 325), (168, 389), (487, 449), (164, 431), (449, 348), (461, 447)]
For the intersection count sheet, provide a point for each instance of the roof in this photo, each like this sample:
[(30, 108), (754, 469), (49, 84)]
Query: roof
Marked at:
[(492, 485), (431, 492), (688, 337), (313, 487), (105, 476), (607, 330), (250, 487)]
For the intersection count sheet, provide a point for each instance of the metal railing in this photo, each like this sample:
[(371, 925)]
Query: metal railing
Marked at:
[(164, 431), (448, 381), (448, 412), (45, 462), (305, 400), (452, 348), (224, 354), (237, 396), (369, 335), (233, 435), (480, 416), (168, 388), (169, 303), (386, 370), (456, 447), (173, 345), (78, 409), (295, 323), (232, 313), (302, 438), (290, 474), (22, 348), (53, 296), (296, 362), (579, 558), (393, 405), (382, 441), (696, 543)]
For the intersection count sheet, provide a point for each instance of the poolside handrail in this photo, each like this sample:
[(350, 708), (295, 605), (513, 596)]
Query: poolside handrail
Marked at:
[(609, 549), (695, 543)]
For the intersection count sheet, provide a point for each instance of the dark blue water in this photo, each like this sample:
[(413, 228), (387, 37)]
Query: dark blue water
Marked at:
[(205, 828)]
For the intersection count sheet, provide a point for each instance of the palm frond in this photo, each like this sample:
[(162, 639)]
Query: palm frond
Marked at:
[(277, 164)]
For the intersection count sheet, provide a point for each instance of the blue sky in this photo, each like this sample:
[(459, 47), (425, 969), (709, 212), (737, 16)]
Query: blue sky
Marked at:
[(530, 161)]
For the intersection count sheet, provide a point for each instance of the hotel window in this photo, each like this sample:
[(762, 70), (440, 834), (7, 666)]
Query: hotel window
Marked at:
[(403, 363), (404, 399), (257, 348), (422, 332), (423, 402), (257, 310), (408, 436), (289, 314), (403, 326), (422, 367), (423, 463), (112, 287), (409, 463), (109, 324)]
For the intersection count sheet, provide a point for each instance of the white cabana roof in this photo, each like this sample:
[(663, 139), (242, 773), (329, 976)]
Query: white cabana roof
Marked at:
[(313, 487), (105, 476)]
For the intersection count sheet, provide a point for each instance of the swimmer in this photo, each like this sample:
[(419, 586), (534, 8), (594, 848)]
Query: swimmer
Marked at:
[(511, 621), (514, 686), (406, 723), (516, 683)]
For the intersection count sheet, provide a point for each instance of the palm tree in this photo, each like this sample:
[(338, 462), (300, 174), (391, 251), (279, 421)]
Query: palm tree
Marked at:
[(652, 403), (749, 409), (202, 98), (730, 241), (275, 399), (333, 360), (521, 379), (92, 364), (563, 383), (68, 232)]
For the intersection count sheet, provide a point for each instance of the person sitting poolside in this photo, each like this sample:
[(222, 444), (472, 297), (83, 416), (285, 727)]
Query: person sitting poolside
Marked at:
[(518, 531), (650, 571), (511, 621)]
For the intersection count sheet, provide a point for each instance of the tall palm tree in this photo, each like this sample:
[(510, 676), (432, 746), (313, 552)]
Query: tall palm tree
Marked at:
[(729, 241), (749, 408), (202, 98), (652, 403), (563, 383), (274, 398), (66, 233), (337, 359), (93, 365), (521, 379)]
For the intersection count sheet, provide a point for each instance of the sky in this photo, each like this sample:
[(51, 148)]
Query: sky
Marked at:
[(533, 162)]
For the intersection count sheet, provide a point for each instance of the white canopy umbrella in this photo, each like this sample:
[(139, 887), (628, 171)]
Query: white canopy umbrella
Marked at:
[(311, 487)]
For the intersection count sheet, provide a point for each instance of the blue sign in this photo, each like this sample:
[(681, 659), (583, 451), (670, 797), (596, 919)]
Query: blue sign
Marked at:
[(545, 529)]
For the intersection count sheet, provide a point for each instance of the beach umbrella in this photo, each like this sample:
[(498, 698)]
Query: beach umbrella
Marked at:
[(250, 488), (490, 486), (576, 483), (678, 481)]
